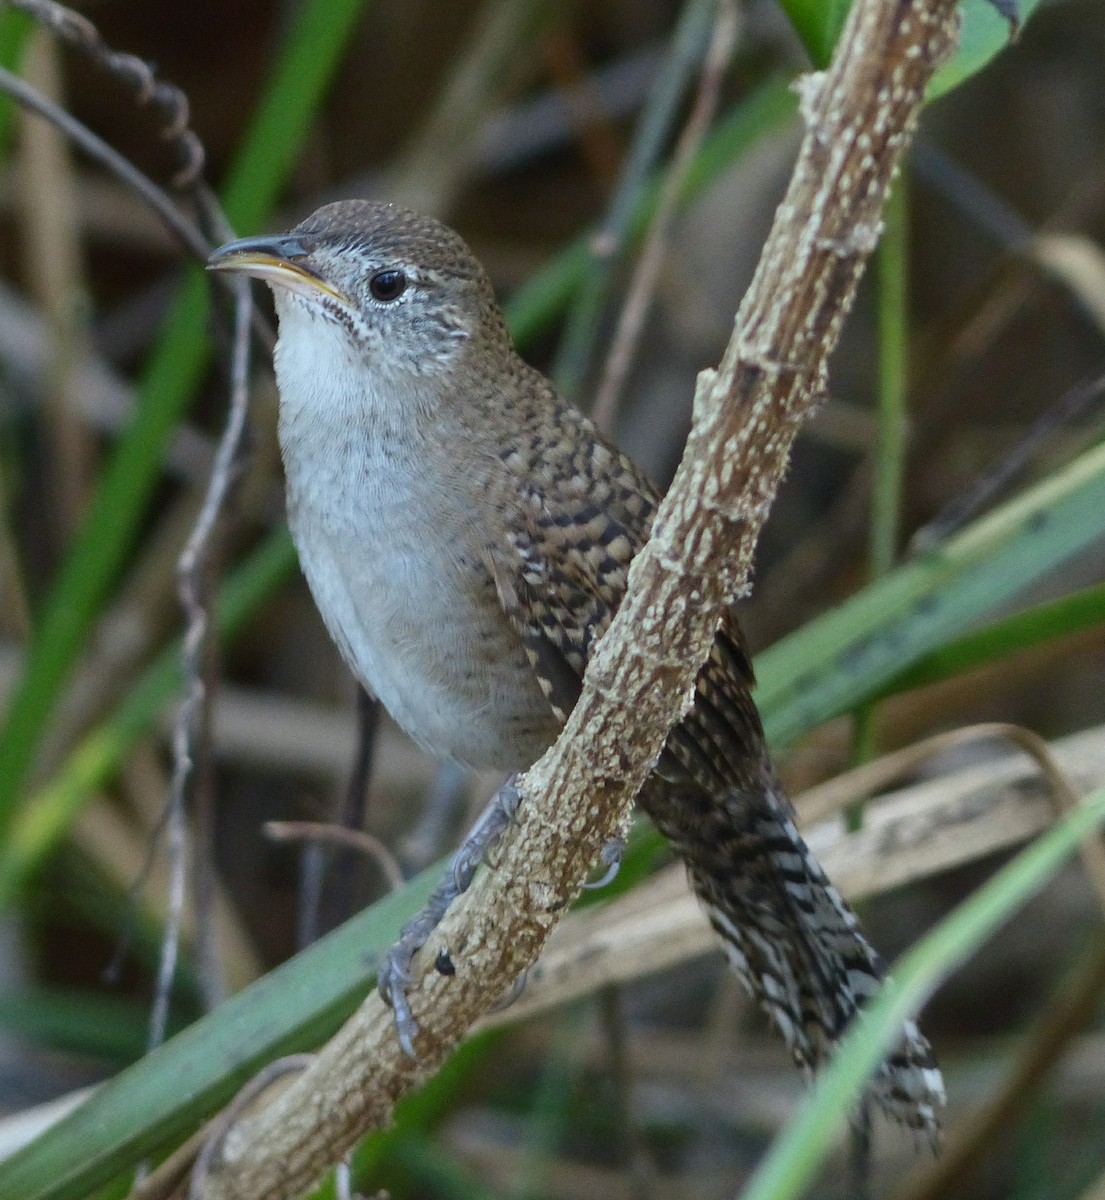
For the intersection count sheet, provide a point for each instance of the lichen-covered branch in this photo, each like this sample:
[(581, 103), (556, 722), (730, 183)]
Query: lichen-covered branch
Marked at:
[(858, 116)]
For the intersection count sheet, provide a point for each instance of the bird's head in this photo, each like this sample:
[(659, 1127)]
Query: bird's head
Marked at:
[(394, 290)]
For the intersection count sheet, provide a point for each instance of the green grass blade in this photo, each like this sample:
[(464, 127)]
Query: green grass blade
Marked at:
[(793, 1159), (1003, 639), (81, 1022), (15, 29), (983, 34), (161, 1098), (843, 658), (892, 288), (818, 23), (310, 54)]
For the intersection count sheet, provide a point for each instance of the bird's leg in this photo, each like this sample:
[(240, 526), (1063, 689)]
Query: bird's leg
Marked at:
[(395, 976)]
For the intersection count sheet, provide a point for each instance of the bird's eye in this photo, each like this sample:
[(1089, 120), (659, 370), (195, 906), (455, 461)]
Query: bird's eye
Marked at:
[(387, 285)]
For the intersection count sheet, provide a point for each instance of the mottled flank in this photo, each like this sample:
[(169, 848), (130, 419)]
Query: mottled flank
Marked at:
[(469, 575)]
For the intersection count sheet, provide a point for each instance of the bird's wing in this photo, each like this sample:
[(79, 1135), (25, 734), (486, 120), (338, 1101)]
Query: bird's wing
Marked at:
[(561, 577), (575, 527)]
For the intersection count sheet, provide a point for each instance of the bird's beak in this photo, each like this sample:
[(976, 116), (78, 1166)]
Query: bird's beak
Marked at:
[(276, 261)]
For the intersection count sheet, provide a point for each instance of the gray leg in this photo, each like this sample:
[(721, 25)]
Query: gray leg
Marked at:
[(394, 976)]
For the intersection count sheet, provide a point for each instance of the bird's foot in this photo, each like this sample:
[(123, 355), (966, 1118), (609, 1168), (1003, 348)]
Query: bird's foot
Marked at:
[(610, 857), (394, 977)]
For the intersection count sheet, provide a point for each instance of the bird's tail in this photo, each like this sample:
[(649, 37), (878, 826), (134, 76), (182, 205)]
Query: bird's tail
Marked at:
[(789, 934)]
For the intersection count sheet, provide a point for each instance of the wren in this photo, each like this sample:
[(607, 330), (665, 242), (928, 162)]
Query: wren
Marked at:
[(467, 534)]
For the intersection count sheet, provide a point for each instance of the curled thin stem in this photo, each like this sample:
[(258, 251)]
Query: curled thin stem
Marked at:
[(139, 76), (339, 835)]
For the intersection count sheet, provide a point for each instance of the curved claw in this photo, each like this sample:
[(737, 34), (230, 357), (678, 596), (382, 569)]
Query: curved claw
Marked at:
[(610, 857), (406, 1027), (463, 870), (392, 982)]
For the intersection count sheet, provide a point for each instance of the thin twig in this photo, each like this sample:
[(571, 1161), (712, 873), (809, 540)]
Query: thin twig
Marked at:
[(96, 148), (261, 1082), (195, 696), (176, 849), (643, 286), (195, 559), (826, 800), (210, 956), (339, 835)]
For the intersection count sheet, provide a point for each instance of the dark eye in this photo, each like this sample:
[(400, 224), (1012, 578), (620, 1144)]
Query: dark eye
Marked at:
[(387, 285)]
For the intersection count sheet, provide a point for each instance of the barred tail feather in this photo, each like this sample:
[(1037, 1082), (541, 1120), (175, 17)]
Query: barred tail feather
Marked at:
[(791, 937)]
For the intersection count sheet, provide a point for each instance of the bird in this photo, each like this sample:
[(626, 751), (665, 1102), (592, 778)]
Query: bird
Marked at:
[(467, 533)]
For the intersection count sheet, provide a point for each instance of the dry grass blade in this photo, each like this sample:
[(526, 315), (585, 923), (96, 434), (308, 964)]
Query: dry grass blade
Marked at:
[(907, 835), (1079, 264), (826, 800), (54, 268), (191, 734)]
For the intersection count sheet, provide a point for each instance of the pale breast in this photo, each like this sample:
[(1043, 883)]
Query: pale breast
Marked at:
[(415, 614), (389, 529)]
